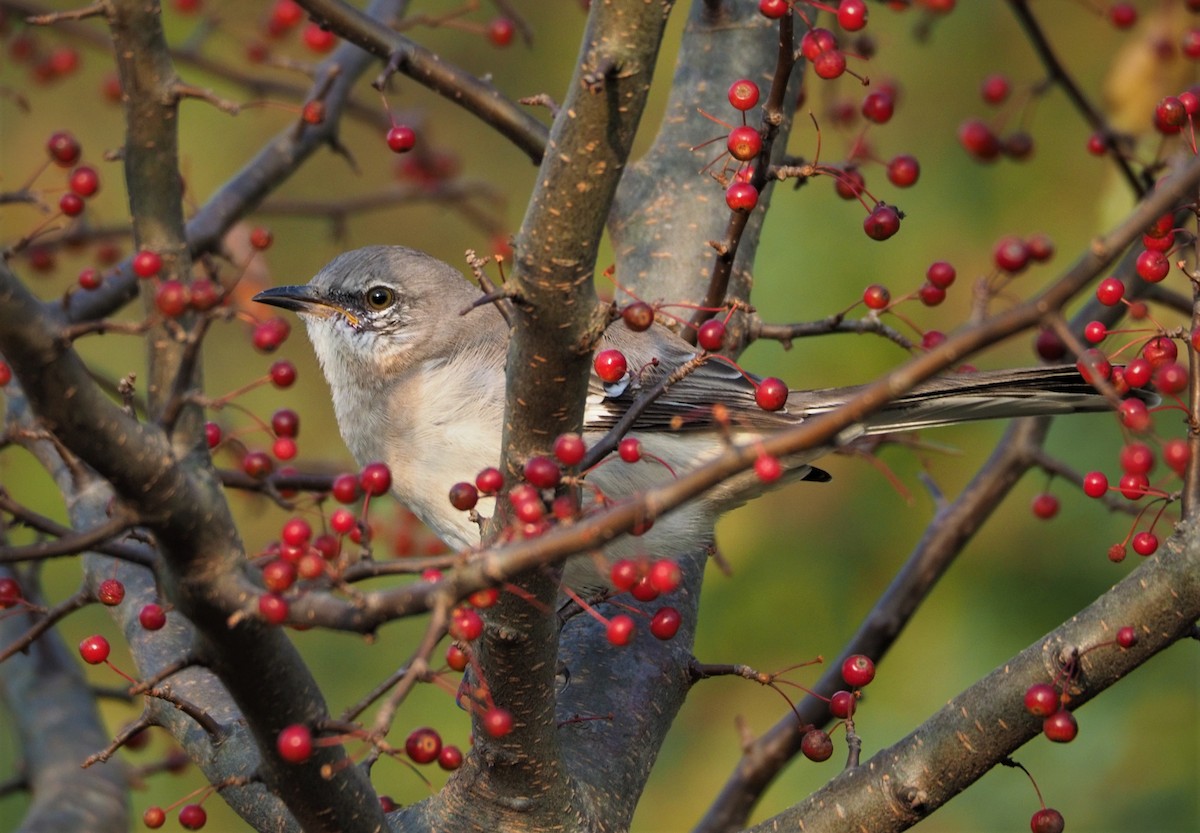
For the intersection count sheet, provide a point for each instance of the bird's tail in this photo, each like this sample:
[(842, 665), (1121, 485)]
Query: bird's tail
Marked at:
[(962, 397)]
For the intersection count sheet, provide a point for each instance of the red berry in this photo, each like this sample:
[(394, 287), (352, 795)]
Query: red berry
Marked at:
[(829, 64), (620, 629), (858, 670), (463, 496), (192, 817), (882, 222), (852, 15), (270, 334), (849, 183), (500, 31), (1145, 543), (375, 479), (711, 335), (816, 745), (70, 204), (878, 107), (1095, 332), (768, 469), (1093, 365), (1045, 506), (10, 592), (1047, 820), (90, 279), (665, 623), (903, 170), (995, 89), (278, 575), (876, 297), (1134, 414), (773, 9), (1049, 346), (466, 625), (744, 143), (84, 181), (489, 481), (1041, 248), (638, 316), (1138, 373), (630, 449), (1041, 700), (741, 196), (497, 722), (1095, 484), (283, 374), (1011, 254), (1122, 15), (172, 298), (313, 112), (1127, 637), (345, 488), (644, 590), (569, 449), (979, 140), (295, 743), (665, 575), (1159, 351), (450, 758), (1137, 458), (94, 649), (1060, 727), (146, 264), (401, 138), (152, 617), (610, 366), (212, 434), (743, 94), (1110, 292), (319, 40), (64, 149), (842, 704), (1176, 454), (423, 745), (342, 521), (261, 238), (110, 592), (1152, 266), (771, 394), (1171, 378), (154, 817), (542, 472), (285, 423)]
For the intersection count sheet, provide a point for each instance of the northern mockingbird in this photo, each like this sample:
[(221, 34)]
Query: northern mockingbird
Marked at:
[(421, 387)]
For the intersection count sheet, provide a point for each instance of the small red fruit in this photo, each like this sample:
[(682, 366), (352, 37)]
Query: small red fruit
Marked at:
[(771, 394), (110, 592), (610, 366), (858, 670), (401, 138), (192, 817), (295, 743), (94, 649), (1060, 727), (816, 745), (423, 745), (375, 479), (152, 617), (665, 623), (497, 722), (500, 31), (620, 629), (711, 335), (1041, 700)]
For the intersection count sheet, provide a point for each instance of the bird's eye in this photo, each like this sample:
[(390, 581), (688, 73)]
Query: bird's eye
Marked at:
[(380, 298)]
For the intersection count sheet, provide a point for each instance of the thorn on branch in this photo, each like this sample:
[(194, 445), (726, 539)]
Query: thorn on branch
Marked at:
[(395, 59)]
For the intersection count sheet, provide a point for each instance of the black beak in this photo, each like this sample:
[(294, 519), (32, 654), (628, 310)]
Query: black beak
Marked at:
[(295, 298), (305, 300)]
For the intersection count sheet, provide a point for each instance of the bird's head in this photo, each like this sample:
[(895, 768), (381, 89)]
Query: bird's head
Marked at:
[(373, 312)]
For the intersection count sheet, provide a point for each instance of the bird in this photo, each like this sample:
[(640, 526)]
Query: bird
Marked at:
[(420, 385)]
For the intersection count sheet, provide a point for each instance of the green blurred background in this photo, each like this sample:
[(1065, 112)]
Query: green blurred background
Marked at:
[(808, 561)]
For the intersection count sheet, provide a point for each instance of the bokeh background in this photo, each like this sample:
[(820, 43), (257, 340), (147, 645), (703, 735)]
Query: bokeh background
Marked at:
[(807, 561)]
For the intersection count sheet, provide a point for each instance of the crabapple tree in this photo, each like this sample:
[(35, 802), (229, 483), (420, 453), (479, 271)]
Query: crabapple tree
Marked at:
[(209, 617)]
